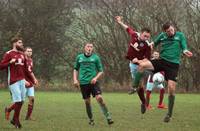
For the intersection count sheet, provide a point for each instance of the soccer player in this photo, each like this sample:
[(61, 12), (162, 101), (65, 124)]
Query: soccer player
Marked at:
[(155, 55), (173, 44), (138, 49), (29, 82), (87, 71), (15, 63), (150, 85)]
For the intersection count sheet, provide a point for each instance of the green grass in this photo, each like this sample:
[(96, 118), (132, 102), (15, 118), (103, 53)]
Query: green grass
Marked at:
[(62, 111)]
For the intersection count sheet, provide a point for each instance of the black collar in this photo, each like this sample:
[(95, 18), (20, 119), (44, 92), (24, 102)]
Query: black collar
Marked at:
[(87, 55)]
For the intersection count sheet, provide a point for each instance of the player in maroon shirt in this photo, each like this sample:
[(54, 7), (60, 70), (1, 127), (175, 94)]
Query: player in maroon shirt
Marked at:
[(15, 63), (138, 49), (30, 82)]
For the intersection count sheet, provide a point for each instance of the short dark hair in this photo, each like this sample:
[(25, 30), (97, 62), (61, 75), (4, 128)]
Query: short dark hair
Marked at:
[(145, 29), (166, 25), (15, 39), (28, 47)]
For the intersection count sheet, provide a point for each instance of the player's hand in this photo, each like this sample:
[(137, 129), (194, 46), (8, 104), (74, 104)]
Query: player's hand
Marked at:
[(93, 81), (151, 45), (118, 19), (12, 61), (27, 83), (135, 60), (76, 84), (188, 53), (35, 81)]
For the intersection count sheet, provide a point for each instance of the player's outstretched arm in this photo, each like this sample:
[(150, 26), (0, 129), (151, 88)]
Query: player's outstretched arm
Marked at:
[(118, 19)]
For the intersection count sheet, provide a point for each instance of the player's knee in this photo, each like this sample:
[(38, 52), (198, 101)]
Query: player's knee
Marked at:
[(171, 86), (31, 100), (171, 90), (87, 101), (141, 67), (99, 99)]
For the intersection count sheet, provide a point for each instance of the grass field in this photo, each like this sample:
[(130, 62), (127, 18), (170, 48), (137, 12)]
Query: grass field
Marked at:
[(62, 111)]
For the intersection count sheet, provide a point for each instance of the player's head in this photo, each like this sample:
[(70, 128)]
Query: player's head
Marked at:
[(88, 49), (155, 55), (28, 51), (169, 29), (145, 34), (17, 43)]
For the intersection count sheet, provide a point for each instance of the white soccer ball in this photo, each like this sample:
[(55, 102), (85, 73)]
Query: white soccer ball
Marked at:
[(158, 78)]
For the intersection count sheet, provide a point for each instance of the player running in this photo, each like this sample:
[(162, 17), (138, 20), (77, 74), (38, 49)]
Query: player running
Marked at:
[(87, 71)]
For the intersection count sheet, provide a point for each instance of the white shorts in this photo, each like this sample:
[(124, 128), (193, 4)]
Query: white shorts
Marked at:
[(133, 69), (18, 91), (30, 91)]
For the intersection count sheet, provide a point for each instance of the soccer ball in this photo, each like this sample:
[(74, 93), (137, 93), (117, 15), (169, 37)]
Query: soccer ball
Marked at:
[(158, 78)]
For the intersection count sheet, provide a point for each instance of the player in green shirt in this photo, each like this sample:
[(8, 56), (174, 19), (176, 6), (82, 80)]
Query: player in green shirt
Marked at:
[(173, 44), (87, 71)]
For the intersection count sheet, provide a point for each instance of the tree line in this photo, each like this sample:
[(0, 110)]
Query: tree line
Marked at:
[(57, 31)]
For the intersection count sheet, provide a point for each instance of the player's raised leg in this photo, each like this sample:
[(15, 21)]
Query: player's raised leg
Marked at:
[(145, 64), (133, 70)]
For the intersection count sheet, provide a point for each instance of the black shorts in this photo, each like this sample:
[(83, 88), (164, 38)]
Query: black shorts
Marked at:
[(170, 69), (88, 89)]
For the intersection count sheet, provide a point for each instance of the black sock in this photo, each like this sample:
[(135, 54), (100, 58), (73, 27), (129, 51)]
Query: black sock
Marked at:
[(140, 92), (171, 99), (89, 111)]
